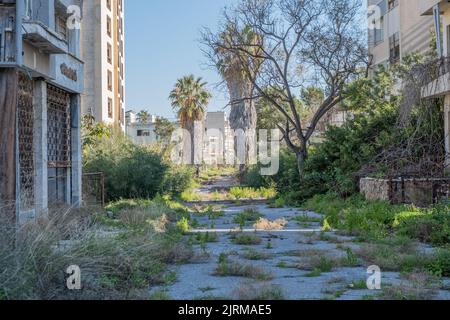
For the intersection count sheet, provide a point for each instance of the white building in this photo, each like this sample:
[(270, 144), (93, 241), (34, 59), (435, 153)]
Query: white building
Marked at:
[(103, 52), (218, 143), (218, 140)]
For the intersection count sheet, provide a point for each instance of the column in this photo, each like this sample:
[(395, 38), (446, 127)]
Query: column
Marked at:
[(447, 132), (76, 150), (40, 147), (8, 107)]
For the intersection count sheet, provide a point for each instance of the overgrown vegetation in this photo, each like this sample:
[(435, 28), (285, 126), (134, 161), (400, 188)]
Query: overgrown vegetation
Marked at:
[(246, 239), (378, 220), (116, 264), (378, 140), (132, 171), (227, 267)]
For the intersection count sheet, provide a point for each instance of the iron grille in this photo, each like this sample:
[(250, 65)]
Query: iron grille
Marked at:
[(58, 122), (25, 126)]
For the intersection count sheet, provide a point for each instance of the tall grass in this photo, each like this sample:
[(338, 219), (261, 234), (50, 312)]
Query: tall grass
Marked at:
[(114, 265)]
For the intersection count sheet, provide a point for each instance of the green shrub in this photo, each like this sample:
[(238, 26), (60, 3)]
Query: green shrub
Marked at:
[(430, 226), (133, 171), (246, 239), (440, 264), (183, 225), (177, 179), (246, 216)]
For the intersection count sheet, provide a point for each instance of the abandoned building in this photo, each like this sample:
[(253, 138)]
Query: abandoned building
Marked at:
[(41, 79)]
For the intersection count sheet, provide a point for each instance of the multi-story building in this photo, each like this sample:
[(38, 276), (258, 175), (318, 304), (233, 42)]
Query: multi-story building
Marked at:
[(440, 87), (397, 29), (103, 39), (218, 140), (41, 79)]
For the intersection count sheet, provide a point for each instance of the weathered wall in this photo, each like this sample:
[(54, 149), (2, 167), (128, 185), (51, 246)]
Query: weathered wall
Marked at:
[(420, 192), (374, 189)]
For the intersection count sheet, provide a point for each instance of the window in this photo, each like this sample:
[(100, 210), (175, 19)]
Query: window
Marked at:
[(143, 133), (61, 26), (392, 4), (378, 33), (108, 4), (448, 41), (109, 53), (394, 48), (110, 80), (108, 26), (110, 108), (28, 9)]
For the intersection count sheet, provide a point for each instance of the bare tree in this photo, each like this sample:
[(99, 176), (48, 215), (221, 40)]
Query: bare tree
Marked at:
[(300, 43)]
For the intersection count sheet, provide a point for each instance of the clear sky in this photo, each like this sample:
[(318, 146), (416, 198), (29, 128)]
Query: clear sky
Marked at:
[(162, 45)]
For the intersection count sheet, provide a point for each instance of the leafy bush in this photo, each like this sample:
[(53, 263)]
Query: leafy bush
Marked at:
[(430, 226), (440, 265), (246, 239), (377, 219), (133, 171)]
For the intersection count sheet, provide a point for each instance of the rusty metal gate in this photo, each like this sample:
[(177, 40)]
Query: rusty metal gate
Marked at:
[(26, 154), (94, 189), (58, 143)]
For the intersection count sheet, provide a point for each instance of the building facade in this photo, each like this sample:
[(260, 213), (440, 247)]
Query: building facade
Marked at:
[(397, 29), (41, 81), (218, 139), (103, 42), (440, 87)]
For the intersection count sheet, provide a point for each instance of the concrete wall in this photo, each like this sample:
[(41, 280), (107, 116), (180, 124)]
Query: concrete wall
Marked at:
[(420, 192)]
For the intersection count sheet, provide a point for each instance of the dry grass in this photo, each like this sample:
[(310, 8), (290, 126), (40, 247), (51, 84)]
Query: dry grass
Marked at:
[(415, 286), (265, 224), (262, 292), (231, 268), (114, 265)]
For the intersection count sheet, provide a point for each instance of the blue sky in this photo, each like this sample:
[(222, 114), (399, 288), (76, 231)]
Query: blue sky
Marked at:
[(162, 46)]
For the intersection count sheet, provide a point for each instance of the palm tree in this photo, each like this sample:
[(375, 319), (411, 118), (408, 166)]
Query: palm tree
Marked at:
[(190, 100), (144, 116), (243, 114)]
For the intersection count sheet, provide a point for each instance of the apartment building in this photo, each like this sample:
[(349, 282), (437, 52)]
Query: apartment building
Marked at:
[(218, 140), (41, 81), (397, 28), (103, 41), (440, 87)]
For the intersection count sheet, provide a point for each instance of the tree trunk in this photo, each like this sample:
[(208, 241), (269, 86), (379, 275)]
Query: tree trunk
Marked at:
[(302, 155), (243, 117), (197, 145)]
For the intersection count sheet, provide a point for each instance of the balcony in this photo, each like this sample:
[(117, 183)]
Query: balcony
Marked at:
[(436, 78), (426, 6), (39, 36)]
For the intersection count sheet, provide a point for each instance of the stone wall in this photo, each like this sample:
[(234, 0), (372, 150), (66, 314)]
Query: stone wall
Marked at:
[(420, 192)]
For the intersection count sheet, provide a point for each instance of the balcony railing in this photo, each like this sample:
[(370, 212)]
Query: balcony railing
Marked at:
[(431, 76)]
